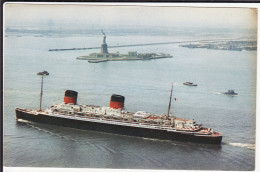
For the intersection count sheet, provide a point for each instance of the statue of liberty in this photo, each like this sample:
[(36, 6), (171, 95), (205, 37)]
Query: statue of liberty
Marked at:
[(104, 45), (104, 37)]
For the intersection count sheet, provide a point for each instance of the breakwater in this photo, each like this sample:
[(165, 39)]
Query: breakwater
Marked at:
[(131, 45)]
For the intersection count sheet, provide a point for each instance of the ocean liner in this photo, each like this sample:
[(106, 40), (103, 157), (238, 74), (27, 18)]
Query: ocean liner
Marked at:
[(115, 119)]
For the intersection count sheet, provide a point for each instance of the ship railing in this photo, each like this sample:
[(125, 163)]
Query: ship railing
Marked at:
[(146, 124), (165, 127), (126, 122), (217, 133), (111, 121), (108, 119), (135, 122)]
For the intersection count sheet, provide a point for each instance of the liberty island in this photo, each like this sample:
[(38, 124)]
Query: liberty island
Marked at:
[(105, 56)]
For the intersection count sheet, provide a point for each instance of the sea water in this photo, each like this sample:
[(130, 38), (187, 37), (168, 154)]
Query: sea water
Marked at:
[(146, 86)]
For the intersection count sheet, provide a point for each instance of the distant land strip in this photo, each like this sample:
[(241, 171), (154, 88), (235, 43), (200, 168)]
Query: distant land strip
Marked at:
[(131, 45)]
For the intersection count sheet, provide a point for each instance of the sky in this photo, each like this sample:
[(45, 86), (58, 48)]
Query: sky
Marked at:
[(133, 15)]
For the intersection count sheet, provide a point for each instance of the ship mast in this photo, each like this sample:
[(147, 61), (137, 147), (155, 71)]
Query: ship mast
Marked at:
[(169, 104), (44, 73), (41, 95)]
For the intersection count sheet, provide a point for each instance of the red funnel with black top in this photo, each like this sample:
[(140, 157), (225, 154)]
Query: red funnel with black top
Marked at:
[(70, 97), (117, 101)]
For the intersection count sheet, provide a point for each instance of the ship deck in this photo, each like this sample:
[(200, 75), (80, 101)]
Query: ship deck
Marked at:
[(99, 119)]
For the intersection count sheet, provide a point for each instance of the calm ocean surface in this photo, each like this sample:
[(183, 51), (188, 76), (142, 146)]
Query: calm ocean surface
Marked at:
[(146, 86)]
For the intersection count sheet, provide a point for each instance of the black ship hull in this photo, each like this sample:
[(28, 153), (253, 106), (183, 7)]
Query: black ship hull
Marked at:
[(118, 129)]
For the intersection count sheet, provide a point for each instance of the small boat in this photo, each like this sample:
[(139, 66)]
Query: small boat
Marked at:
[(231, 93), (43, 73), (189, 84)]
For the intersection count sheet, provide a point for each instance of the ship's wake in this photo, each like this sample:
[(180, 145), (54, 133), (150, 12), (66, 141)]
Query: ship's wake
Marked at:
[(221, 93), (31, 124), (243, 145)]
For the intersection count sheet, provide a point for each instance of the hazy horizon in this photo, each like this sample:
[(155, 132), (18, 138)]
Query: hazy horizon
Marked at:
[(83, 16)]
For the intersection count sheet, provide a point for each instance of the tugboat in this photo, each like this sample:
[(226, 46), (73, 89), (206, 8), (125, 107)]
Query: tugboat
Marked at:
[(116, 119), (231, 93), (43, 73), (189, 84)]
